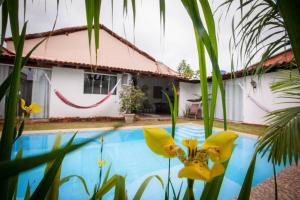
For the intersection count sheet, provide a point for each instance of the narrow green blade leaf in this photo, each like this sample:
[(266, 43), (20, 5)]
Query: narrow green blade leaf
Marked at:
[(27, 194), (48, 188), (10, 168), (106, 175), (246, 187), (67, 178), (139, 193)]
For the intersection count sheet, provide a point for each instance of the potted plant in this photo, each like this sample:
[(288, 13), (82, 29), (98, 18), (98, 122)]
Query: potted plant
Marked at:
[(130, 101)]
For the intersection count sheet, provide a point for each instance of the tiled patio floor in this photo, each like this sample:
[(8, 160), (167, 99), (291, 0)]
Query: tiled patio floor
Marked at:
[(288, 182)]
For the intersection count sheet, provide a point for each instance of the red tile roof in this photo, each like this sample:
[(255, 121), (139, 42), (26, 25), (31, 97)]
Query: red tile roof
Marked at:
[(159, 69)]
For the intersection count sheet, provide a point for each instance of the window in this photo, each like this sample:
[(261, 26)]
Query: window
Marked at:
[(99, 83)]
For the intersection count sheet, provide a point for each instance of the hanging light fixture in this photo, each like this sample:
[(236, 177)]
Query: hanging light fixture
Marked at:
[(253, 84)]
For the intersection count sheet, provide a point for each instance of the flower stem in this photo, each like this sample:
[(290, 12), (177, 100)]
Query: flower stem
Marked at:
[(190, 189)]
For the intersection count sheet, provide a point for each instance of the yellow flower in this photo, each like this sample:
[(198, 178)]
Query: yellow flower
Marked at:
[(200, 171), (32, 108), (101, 163), (219, 146), (191, 144), (160, 142)]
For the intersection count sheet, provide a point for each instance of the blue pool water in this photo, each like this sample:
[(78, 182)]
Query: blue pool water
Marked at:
[(129, 155)]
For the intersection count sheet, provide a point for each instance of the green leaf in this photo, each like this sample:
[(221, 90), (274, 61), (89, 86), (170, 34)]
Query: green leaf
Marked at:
[(106, 175), (53, 191), (120, 193), (6, 83), (10, 114), (125, 7), (13, 182), (13, 12), (143, 186), (67, 178), (246, 187), (89, 5), (112, 182), (20, 131), (162, 10), (290, 14), (97, 8), (10, 168), (281, 140), (27, 194), (44, 186), (48, 188), (133, 11)]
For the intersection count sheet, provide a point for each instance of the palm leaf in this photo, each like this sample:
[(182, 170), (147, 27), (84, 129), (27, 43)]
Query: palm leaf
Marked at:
[(282, 138), (290, 14)]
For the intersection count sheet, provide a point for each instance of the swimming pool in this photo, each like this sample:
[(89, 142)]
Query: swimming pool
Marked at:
[(127, 151)]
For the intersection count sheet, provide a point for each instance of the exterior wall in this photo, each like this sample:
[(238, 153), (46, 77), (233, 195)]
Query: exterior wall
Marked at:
[(70, 83), (187, 91), (264, 96), (239, 106), (234, 96)]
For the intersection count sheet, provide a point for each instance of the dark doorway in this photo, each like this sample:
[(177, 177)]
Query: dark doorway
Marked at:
[(25, 88)]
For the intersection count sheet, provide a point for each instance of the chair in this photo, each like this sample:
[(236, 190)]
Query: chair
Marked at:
[(195, 111)]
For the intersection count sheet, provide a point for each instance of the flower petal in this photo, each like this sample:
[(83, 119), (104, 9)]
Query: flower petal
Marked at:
[(158, 140), (34, 108), (190, 143), (196, 172), (220, 139), (22, 104), (217, 170), (220, 145), (101, 163)]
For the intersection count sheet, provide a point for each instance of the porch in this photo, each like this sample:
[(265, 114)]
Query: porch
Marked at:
[(155, 103)]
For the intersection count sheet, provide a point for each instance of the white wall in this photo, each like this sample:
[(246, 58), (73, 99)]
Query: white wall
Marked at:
[(239, 106), (234, 96), (264, 96), (187, 91), (70, 83)]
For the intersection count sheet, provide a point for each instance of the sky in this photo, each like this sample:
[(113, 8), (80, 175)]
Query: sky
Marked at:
[(176, 44)]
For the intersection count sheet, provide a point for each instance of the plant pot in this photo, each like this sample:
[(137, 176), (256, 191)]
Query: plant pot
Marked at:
[(129, 118)]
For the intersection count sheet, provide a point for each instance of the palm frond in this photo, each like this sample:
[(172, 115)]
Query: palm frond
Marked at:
[(281, 142), (261, 30)]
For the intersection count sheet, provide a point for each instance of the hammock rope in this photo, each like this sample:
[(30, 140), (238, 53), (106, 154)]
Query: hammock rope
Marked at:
[(69, 103), (254, 100)]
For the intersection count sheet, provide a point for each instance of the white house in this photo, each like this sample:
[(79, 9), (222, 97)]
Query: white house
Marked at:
[(83, 79), (248, 97)]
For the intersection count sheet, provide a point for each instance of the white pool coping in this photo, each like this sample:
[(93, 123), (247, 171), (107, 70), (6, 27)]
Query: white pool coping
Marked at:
[(127, 127)]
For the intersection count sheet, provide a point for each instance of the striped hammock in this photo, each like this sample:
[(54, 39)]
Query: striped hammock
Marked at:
[(69, 103)]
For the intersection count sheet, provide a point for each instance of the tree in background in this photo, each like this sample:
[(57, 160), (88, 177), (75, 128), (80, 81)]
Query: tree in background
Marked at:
[(185, 70)]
